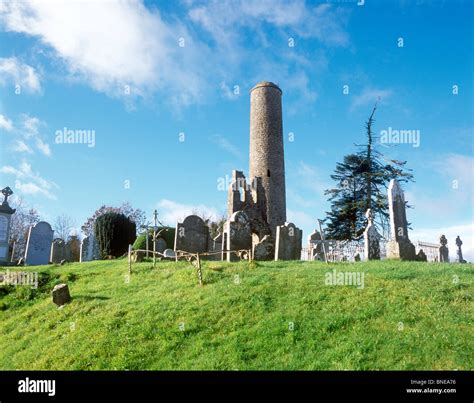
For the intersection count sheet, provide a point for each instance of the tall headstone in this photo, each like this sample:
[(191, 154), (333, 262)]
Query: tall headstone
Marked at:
[(192, 235), (73, 249), (288, 242), (38, 245), (266, 149), (399, 246), (371, 238), (58, 251), (443, 249), (459, 257), (5, 225), (237, 234), (89, 249)]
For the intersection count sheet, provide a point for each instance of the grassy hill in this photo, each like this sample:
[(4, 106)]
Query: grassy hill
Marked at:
[(274, 315)]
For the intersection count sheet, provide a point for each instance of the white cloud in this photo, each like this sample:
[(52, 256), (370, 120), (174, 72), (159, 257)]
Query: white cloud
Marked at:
[(110, 45), (310, 177), (226, 145), (29, 137), (465, 232), (369, 96), (299, 218), (30, 125), (43, 147), (458, 168), (229, 93), (221, 18), (21, 147), (170, 212), (5, 123), (29, 182), (13, 72)]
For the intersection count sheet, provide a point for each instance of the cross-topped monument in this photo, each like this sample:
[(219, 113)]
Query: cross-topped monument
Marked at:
[(6, 192)]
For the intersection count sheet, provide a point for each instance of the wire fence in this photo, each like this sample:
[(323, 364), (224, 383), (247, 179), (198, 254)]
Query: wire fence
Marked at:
[(193, 258)]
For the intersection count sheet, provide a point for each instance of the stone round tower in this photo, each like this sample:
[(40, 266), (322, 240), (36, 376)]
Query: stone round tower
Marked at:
[(266, 149)]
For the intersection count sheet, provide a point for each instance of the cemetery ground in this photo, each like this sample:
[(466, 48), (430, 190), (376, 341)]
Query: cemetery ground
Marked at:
[(260, 316)]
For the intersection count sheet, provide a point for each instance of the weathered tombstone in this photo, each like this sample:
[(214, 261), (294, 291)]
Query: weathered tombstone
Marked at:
[(288, 242), (421, 256), (58, 251), (237, 233), (138, 256), (264, 249), (169, 254), (5, 223), (89, 249), (459, 257), (38, 246), (443, 250), (191, 235), (399, 246), (371, 238), (73, 249), (161, 245), (215, 247), (61, 294), (217, 242), (315, 246)]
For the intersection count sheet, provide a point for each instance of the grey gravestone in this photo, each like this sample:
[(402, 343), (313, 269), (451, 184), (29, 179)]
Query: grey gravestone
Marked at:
[(264, 249), (399, 246), (89, 249), (443, 250), (192, 235), (58, 251), (161, 245), (459, 257), (38, 246), (288, 242), (73, 249), (371, 238), (61, 294), (169, 254), (421, 256), (315, 245), (5, 224), (237, 234)]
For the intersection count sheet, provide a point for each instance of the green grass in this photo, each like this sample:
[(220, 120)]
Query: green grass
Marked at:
[(408, 316)]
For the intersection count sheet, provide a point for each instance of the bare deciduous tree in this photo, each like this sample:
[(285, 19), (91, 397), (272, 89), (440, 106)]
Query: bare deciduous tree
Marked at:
[(63, 225)]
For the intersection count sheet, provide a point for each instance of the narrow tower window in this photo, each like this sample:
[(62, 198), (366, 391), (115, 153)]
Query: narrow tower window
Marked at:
[(268, 173)]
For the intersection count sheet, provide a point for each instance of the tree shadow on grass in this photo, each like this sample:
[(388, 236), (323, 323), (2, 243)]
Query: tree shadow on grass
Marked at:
[(90, 297)]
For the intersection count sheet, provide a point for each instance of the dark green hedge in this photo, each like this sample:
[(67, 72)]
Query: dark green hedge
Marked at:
[(114, 232), (168, 236)]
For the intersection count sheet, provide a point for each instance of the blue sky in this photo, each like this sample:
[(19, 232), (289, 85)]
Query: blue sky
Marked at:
[(139, 74)]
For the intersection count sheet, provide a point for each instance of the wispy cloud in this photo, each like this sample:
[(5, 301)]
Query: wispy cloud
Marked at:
[(170, 212), (43, 147), (5, 123), (29, 182), (157, 54), (226, 145), (369, 96), (21, 147), (110, 45), (13, 72), (28, 138)]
